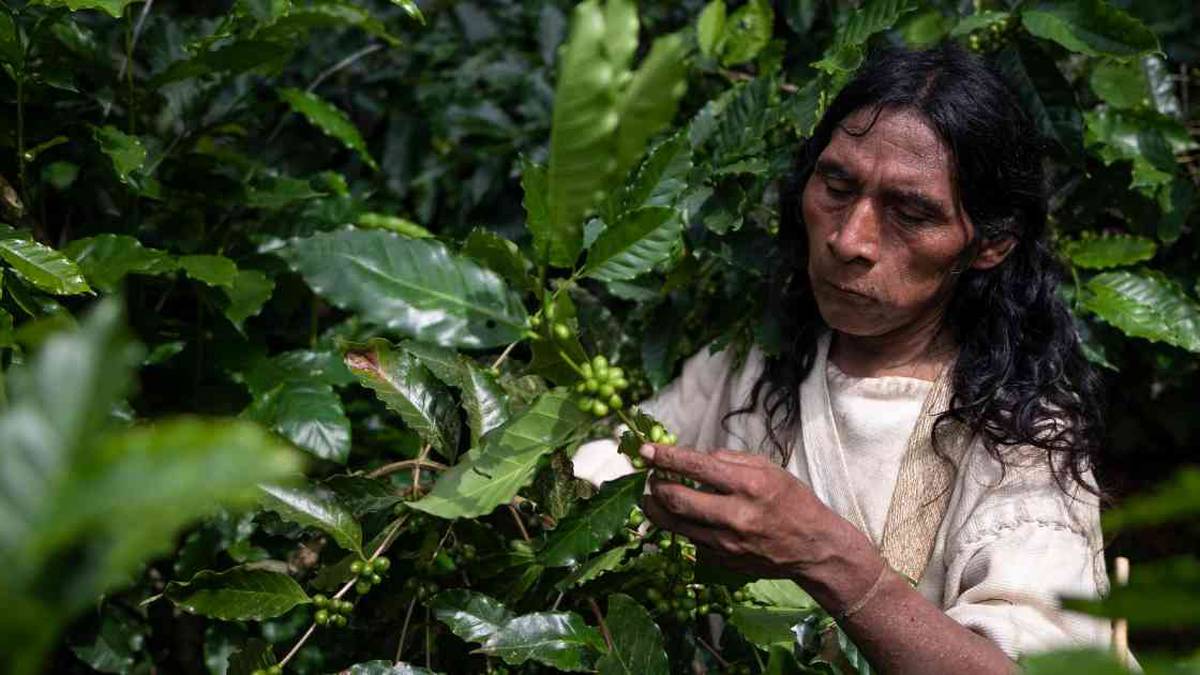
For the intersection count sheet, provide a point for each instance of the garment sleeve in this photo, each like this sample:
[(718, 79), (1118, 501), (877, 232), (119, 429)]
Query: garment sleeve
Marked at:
[(681, 406), (1012, 562)]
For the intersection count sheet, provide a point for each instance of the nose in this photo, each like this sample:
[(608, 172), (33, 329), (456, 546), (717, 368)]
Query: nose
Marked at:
[(857, 238)]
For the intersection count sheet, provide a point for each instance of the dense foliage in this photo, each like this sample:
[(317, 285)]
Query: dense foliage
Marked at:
[(306, 304)]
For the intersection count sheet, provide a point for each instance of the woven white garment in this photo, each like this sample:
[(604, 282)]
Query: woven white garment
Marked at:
[(996, 561)]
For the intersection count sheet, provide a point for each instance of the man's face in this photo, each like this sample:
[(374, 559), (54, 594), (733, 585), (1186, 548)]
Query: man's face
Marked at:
[(885, 229)]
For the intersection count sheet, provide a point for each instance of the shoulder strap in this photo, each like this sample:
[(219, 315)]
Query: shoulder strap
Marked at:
[(924, 486)]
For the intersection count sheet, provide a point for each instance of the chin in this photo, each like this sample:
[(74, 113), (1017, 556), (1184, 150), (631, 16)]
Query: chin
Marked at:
[(853, 320)]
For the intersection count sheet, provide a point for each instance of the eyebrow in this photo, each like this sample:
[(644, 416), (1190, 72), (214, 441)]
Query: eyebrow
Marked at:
[(931, 207)]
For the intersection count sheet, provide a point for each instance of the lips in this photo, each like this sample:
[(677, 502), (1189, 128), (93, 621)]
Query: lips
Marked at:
[(847, 291)]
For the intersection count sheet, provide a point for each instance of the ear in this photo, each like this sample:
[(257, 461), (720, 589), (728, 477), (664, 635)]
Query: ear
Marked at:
[(993, 252)]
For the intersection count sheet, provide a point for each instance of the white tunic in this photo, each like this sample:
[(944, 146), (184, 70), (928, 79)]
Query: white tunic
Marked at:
[(1011, 541)]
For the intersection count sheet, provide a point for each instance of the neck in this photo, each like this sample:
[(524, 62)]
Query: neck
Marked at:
[(919, 351)]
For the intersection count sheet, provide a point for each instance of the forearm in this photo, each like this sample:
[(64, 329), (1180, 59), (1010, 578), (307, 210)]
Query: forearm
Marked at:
[(897, 629)]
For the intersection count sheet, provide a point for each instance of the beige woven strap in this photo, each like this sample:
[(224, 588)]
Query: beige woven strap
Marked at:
[(923, 487)]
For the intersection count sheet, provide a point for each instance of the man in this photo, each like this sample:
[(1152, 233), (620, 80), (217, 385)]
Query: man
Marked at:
[(933, 415)]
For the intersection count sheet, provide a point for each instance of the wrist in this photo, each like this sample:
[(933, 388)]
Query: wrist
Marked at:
[(844, 571)]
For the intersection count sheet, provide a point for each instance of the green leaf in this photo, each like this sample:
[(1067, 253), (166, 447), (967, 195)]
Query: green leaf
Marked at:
[(1146, 139), (115, 8), (1045, 94), (213, 270), (1145, 304), (1110, 250), (112, 651), (328, 119), (309, 414), (363, 495), (637, 642), (1070, 661), (1092, 27), (507, 461), (662, 177), (254, 655), (106, 259), (484, 400), (317, 367), (875, 16), (596, 567), (779, 593), (236, 57), (649, 103), (1176, 500), (386, 668), (767, 626), (250, 291), (126, 152), (237, 594), (40, 265), (1122, 84), (472, 616), (444, 363), (585, 119), (591, 527), (976, 21), (558, 639), (273, 193), (924, 30), (410, 7), (499, 255), (312, 508), (710, 28), (414, 286), (746, 32), (329, 15), (634, 245), (407, 387), (401, 226)]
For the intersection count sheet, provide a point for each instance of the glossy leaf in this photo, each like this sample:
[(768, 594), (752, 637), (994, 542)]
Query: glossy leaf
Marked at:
[(662, 177), (254, 655), (767, 626), (472, 616), (779, 593), (126, 152), (637, 642), (386, 668), (1160, 594), (873, 17), (363, 495), (414, 286), (236, 57), (634, 245), (401, 226), (649, 103), (442, 362), (311, 508), (1146, 305), (237, 594), (558, 639), (328, 119), (484, 400), (1077, 660), (309, 414), (40, 265), (1092, 27), (596, 567), (507, 460), (107, 259), (499, 255), (249, 292), (581, 134), (1113, 250), (592, 526), (1045, 94), (407, 387), (115, 8), (214, 270)]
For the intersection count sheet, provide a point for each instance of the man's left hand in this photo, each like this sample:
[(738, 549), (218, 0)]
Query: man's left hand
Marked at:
[(753, 517)]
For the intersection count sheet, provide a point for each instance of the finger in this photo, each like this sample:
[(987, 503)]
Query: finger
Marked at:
[(722, 475), (743, 458), (696, 532), (702, 507)]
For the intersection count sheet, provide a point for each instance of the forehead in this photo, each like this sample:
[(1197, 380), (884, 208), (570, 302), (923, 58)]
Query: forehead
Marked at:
[(894, 145)]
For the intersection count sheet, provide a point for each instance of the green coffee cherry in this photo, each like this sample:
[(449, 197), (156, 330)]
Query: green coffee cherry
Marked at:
[(340, 620), (599, 408), (638, 463), (376, 579), (320, 601), (363, 587), (321, 617), (615, 402), (562, 331), (356, 567), (381, 564), (344, 606), (657, 433)]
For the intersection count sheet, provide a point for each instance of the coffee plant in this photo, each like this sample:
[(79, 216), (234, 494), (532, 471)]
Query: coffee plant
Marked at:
[(305, 306)]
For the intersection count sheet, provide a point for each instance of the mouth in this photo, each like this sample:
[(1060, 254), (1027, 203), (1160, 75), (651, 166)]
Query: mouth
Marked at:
[(848, 292)]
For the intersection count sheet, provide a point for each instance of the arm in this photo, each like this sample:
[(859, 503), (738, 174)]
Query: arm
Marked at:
[(763, 521)]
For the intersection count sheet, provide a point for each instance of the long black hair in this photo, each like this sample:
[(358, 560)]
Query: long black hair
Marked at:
[(1020, 378)]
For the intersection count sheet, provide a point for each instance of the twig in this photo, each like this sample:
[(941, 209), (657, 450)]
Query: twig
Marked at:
[(341, 65), (428, 641), (503, 355), (711, 650), (404, 630), (379, 550), (600, 620), (520, 525), (1120, 626), (407, 464)]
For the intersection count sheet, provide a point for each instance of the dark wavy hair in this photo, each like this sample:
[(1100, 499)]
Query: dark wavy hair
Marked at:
[(1020, 377)]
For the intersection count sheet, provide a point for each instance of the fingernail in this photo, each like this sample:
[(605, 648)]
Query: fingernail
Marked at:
[(647, 452)]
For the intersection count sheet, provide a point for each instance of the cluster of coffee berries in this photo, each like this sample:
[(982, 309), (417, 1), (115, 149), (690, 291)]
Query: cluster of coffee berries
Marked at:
[(633, 525), (273, 670), (421, 589), (332, 611), (991, 37), (685, 602), (601, 387), (369, 572)]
